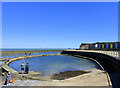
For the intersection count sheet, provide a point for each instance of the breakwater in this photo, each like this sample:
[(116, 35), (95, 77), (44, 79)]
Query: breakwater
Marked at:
[(6, 68), (102, 57)]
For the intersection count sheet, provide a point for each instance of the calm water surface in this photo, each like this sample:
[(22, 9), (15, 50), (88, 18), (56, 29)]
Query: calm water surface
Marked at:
[(54, 64)]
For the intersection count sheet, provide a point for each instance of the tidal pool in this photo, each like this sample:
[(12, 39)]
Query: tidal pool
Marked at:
[(48, 65)]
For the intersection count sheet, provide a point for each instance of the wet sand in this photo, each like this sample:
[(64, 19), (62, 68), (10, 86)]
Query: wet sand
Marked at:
[(67, 74), (94, 78), (8, 53)]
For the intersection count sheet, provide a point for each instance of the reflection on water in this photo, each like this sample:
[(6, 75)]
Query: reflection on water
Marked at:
[(54, 64)]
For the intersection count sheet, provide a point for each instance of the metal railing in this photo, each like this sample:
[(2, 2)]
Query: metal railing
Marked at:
[(111, 52)]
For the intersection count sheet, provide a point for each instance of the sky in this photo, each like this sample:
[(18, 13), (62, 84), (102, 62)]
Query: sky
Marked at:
[(58, 24)]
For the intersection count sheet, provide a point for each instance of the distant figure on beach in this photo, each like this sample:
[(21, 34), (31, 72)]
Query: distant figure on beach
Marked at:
[(8, 77), (22, 67), (25, 54), (27, 68)]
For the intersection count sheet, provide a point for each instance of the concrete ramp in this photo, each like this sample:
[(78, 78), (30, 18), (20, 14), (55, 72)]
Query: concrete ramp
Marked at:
[(7, 68)]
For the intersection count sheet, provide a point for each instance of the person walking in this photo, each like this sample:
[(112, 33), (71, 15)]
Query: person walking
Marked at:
[(27, 68), (8, 77), (22, 67)]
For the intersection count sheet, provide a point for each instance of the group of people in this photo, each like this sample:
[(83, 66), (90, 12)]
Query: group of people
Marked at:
[(24, 68)]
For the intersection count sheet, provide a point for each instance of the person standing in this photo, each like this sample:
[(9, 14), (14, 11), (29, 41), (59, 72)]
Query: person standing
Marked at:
[(22, 67), (27, 68), (7, 60)]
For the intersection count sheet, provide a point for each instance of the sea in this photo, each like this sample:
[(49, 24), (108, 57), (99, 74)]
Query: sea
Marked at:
[(31, 49)]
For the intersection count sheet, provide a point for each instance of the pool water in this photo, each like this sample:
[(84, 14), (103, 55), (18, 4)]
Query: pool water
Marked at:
[(48, 65)]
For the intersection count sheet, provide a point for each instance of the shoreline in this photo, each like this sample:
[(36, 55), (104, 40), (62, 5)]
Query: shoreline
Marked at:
[(22, 57), (17, 52)]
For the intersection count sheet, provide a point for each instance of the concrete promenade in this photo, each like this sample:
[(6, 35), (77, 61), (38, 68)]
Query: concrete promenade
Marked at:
[(115, 54)]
